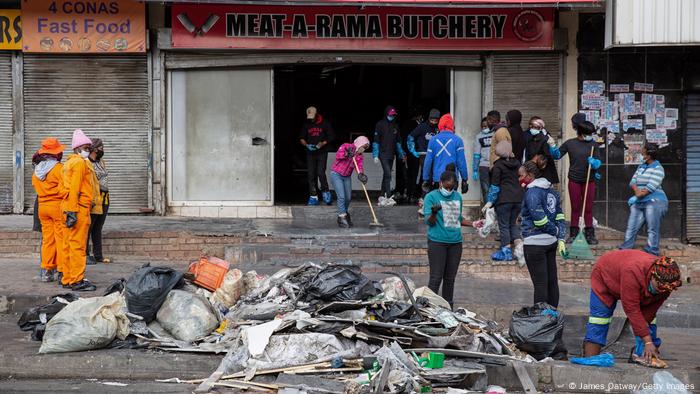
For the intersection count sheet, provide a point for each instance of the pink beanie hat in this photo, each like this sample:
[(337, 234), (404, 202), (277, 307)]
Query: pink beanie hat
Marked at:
[(360, 141), (80, 139)]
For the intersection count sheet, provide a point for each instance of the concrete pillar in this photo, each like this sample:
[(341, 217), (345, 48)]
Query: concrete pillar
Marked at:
[(569, 20)]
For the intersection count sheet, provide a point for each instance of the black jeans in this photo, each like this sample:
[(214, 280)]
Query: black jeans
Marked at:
[(95, 233), (316, 169), (542, 264), (415, 171), (444, 264), (484, 183), (507, 214), (387, 164)]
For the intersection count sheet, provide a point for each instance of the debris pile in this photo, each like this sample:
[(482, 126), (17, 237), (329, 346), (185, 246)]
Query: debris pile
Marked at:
[(314, 327)]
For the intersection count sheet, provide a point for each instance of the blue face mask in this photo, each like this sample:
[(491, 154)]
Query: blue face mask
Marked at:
[(534, 131), (485, 130), (390, 118), (445, 192), (588, 138), (651, 289)]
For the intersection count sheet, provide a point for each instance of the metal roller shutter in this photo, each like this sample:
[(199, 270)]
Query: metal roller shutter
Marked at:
[(107, 97), (531, 83), (6, 123), (692, 169)]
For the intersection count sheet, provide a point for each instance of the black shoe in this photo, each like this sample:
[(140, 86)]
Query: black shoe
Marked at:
[(343, 221), (90, 261), (66, 286), (590, 236), (347, 217), (59, 277), (573, 232), (83, 285)]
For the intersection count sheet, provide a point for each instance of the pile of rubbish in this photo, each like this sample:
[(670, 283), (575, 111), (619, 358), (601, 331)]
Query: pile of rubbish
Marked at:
[(315, 327)]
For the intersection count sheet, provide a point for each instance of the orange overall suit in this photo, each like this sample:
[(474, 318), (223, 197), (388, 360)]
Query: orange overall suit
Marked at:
[(51, 193)]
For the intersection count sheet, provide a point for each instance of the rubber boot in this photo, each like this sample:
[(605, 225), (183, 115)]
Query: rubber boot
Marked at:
[(347, 217), (313, 200), (590, 236), (343, 221), (573, 232), (327, 198), (503, 254)]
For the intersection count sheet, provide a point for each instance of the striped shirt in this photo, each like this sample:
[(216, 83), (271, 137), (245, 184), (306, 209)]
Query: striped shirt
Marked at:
[(650, 177)]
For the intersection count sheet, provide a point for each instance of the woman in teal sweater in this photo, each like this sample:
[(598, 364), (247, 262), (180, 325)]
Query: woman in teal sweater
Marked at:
[(443, 212)]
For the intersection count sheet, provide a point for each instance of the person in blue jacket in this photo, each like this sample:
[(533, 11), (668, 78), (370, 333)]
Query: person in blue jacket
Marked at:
[(543, 230), (387, 145), (444, 149)]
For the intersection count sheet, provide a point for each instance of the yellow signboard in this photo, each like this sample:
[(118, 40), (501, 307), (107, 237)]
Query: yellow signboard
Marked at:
[(10, 30)]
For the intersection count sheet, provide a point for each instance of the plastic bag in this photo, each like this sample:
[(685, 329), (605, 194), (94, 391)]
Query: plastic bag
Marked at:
[(665, 383), (34, 319), (251, 281), (536, 333), (490, 223), (231, 289), (394, 289), (147, 288), (85, 324), (341, 283), (187, 316), (601, 360), (432, 297)]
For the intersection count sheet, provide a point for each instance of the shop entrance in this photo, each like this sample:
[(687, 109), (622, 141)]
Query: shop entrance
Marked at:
[(353, 99)]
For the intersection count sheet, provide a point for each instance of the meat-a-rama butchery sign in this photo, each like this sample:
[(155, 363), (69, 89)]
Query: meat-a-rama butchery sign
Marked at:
[(368, 29)]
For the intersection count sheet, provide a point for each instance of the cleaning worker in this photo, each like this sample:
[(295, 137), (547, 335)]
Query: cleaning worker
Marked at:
[(642, 282), (316, 134), (444, 149), (387, 146), (80, 181), (443, 212), (98, 215), (543, 230), (481, 161), (341, 175), (417, 143), (649, 203), (47, 180), (539, 143), (506, 195), (579, 151)]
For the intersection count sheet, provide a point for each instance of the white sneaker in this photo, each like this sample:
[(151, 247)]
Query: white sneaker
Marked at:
[(519, 252)]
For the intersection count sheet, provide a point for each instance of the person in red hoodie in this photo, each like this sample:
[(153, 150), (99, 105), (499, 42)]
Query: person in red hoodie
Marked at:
[(642, 282)]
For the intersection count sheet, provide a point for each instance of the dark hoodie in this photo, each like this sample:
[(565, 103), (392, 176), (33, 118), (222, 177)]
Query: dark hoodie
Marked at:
[(387, 136), (517, 138), (317, 130), (537, 145), (504, 174)]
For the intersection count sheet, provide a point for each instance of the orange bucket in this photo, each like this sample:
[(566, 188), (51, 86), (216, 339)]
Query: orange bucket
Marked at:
[(209, 272)]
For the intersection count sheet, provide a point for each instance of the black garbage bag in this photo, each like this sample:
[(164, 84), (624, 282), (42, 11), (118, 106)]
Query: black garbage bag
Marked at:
[(147, 288), (35, 318), (116, 287), (537, 330), (341, 282)]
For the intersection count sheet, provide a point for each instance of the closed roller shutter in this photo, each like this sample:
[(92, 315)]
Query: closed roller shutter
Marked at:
[(107, 97), (692, 170), (530, 83), (6, 156)]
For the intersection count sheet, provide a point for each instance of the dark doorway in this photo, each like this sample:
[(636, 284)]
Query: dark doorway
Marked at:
[(352, 98)]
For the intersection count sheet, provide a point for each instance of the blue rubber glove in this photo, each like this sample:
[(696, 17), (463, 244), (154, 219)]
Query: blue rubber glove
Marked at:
[(594, 163), (632, 201), (475, 175), (311, 147), (597, 176)]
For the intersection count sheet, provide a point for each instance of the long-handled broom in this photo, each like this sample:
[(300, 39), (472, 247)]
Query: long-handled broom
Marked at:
[(375, 223), (580, 250)]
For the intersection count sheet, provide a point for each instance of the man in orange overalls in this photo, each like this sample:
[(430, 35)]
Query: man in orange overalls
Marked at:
[(79, 180), (48, 184)]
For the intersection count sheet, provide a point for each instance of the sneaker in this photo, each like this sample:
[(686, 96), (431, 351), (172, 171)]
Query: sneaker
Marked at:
[(58, 277), (347, 216), (46, 275), (83, 285), (313, 200), (90, 261), (343, 221), (327, 198), (503, 254)]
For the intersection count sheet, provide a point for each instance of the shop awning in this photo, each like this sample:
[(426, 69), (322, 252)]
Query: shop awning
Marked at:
[(413, 3)]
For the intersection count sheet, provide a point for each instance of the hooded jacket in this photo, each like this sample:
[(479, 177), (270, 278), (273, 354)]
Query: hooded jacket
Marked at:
[(624, 275), (505, 187), (420, 137), (517, 137), (387, 138), (81, 185), (445, 148), (317, 130), (543, 219), (500, 133), (48, 181), (537, 145)]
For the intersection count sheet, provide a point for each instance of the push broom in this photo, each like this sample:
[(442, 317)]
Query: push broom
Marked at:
[(375, 223), (580, 250)]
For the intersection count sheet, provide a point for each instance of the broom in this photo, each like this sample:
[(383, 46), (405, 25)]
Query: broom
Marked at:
[(580, 250)]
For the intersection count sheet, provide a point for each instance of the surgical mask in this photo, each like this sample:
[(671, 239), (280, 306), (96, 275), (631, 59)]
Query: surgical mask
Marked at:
[(524, 181), (390, 118), (485, 130), (445, 192), (588, 138), (360, 150), (84, 154), (651, 289), (534, 131)]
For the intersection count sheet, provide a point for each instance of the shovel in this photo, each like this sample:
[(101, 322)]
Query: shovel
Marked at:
[(580, 250), (375, 223)]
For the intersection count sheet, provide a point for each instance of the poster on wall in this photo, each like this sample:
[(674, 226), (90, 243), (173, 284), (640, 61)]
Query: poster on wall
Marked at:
[(632, 124), (619, 88), (643, 87), (67, 26), (591, 116), (593, 87), (633, 153), (610, 125), (657, 136), (11, 37), (611, 111), (592, 101)]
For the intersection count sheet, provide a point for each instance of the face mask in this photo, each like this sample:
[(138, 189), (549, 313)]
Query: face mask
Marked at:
[(534, 131), (651, 289), (588, 138), (445, 192), (84, 154), (524, 181), (390, 118), (99, 154), (485, 130)]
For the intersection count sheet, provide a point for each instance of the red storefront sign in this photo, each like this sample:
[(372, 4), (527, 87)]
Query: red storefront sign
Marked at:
[(369, 29)]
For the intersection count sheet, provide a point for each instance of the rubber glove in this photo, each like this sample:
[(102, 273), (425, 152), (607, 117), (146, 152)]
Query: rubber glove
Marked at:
[(465, 187), (486, 207), (435, 208), (550, 141), (71, 219), (362, 178), (594, 163), (475, 175), (561, 249), (311, 147), (632, 201), (376, 160)]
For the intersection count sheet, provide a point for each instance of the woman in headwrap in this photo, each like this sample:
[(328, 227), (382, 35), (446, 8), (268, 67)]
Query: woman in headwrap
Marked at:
[(98, 215)]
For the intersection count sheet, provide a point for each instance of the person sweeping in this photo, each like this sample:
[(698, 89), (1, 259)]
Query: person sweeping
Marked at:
[(642, 282), (346, 159)]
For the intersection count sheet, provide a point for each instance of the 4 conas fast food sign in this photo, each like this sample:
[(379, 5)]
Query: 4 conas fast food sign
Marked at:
[(349, 28)]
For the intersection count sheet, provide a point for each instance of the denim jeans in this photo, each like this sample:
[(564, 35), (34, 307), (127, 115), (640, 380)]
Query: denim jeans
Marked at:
[(651, 212), (484, 183), (343, 191), (507, 214)]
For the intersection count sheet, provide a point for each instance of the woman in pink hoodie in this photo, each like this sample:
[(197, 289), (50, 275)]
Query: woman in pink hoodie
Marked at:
[(341, 172)]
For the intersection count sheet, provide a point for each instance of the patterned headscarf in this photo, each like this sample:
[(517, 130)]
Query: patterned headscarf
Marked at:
[(667, 274)]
